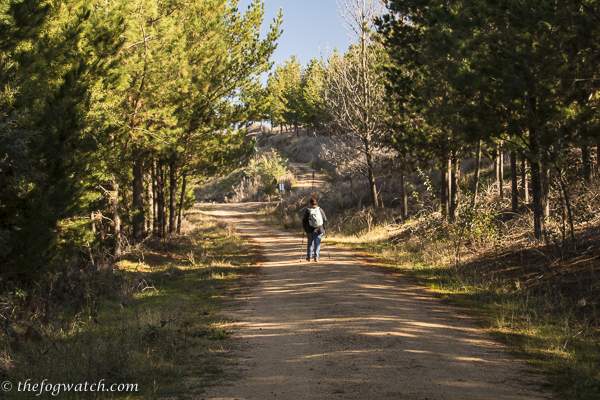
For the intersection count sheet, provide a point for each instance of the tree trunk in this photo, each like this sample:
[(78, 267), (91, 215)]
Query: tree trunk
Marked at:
[(568, 204), (545, 188), (496, 165), (158, 217), (371, 171), (477, 172), (536, 176), (586, 159), (93, 222), (444, 192), (155, 216), (181, 201), (160, 199), (524, 180), (403, 196), (163, 204), (138, 197), (150, 195), (172, 197), (514, 193), (453, 185), (501, 172), (457, 187), (114, 199)]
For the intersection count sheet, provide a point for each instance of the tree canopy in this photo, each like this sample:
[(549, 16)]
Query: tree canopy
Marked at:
[(108, 108)]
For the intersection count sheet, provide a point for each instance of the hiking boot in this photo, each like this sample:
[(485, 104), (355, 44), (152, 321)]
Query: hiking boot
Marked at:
[(316, 259), (307, 258)]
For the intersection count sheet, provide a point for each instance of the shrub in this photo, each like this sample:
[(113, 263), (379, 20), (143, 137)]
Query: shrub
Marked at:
[(269, 168)]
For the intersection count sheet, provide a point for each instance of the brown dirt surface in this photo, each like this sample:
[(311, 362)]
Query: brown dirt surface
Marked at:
[(342, 329), (306, 177)]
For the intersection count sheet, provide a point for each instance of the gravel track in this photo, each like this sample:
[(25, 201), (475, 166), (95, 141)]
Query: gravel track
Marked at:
[(344, 329)]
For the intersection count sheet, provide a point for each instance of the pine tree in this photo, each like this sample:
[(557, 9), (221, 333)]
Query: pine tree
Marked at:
[(100, 99), (284, 87), (53, 56), (502, 72), (186, 63), (312, 86)]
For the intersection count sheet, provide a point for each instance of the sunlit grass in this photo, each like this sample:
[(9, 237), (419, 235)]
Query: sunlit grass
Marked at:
[(376, 234), (167, 335)]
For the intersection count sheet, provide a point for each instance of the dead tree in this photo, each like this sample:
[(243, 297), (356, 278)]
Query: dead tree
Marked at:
[(354, 92)]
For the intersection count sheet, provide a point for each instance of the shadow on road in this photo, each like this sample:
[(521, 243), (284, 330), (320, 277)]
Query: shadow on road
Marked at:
[(342, 329)]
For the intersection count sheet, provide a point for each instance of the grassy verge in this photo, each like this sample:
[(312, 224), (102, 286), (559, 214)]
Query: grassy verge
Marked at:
[(528, 308), (542, 303), (166, 335)]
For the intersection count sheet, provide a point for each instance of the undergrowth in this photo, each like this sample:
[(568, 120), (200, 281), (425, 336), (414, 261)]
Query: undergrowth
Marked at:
[(257, 181), (161, 328)]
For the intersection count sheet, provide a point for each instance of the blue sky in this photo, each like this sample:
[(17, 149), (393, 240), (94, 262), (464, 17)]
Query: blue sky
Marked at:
[(309, 26)]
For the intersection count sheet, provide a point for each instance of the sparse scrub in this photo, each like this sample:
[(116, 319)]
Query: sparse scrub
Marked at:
[(249, 189), (255, 182), (219, 188)]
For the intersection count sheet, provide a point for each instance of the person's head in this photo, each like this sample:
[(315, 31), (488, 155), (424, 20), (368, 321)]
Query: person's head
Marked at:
[(313, 202)]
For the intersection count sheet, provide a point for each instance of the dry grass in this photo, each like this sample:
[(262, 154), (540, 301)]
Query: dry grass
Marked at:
[(243, 186), (542, 301), (161, 329)]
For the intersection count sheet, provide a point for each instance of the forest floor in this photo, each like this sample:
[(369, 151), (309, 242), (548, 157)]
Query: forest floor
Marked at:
[(344, 328)]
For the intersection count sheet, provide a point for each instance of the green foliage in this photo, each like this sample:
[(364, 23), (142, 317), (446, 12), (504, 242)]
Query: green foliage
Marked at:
[(295, 94), (53, 55), (284, 89), (507, 71), (189, 199), (426, 181), (269, 168), (312, 86), (92, 94)]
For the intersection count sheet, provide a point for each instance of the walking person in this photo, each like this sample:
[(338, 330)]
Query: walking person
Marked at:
[(313, 220)]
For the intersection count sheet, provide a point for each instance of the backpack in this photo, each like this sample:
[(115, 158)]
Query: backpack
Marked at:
[(315, 219)]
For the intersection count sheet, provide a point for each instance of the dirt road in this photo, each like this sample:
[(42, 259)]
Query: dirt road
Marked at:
[(306, 177), (342, 329)]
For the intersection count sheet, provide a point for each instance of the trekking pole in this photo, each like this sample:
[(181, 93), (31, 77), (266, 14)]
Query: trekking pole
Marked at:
[(302, 247)]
